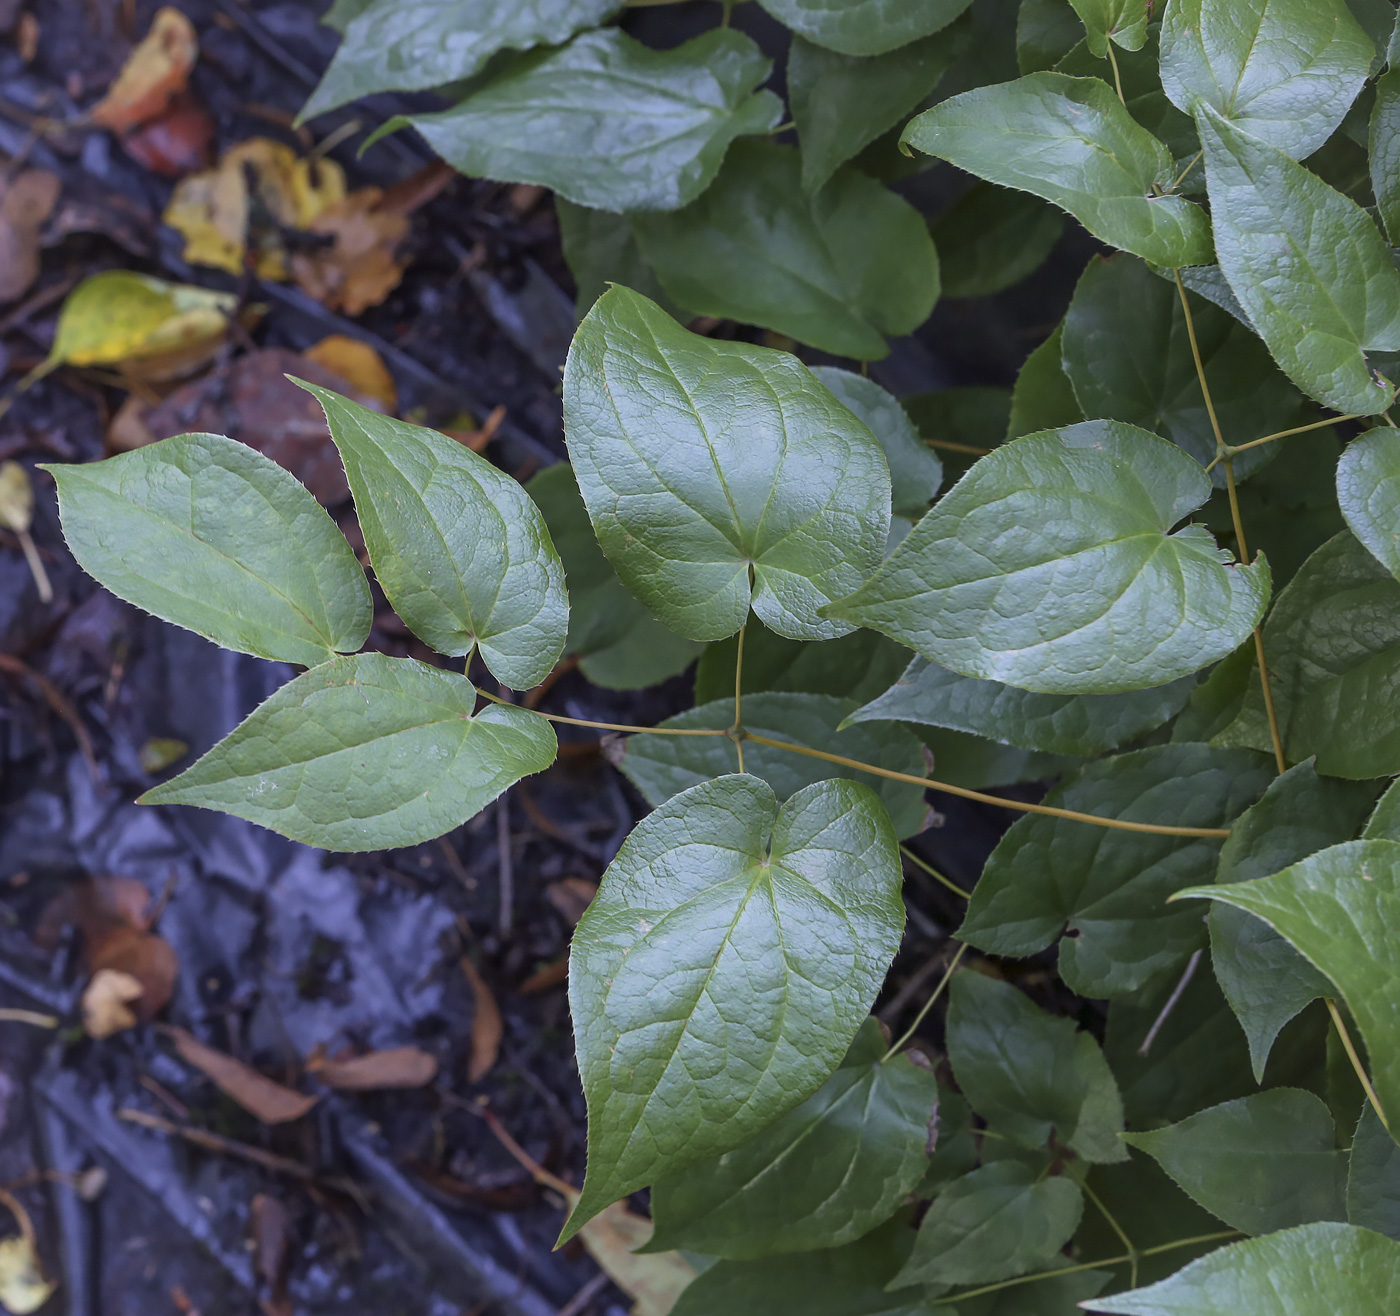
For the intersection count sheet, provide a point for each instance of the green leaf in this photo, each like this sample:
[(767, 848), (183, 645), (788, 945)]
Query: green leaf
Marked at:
[(1049, 567), (1385, 152), (915, 472), (1341, 909), (601, 248), (864, 27), (1029, 1075), (1043, 398), (1265, 980), (1056, 724), (1296, 1272), (1307, 264), (1384, 822), (1283, 71), (990, 239), (955, 1147), (1110, 886), (718, 978), (608, 123), (662, 766), (1072, 142), (343, 12), (1124, 22), (842, 103), (1128, 357), (995, 1223), (838, 270), (458, 547), (1046, 31), (1373, 1181), (619, 644), (1368, 490), (208, 534), (821, 1176), (1265, 1162), (411, 45), (702, 462), (365, 753)]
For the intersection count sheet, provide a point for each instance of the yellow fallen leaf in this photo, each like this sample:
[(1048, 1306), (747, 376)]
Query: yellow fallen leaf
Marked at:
[(107, 1002), (16, 514), (356, 363), (23, 1288), (158, 69)]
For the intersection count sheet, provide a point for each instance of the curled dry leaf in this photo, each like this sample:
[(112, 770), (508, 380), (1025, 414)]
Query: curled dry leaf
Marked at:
[(260, 1096), (23, 1288), (107, 1003), (487, 1025), (26, 201), (571, 896), (158, 70), (178, 141), (397, 1067), (362, 265), (359, 365)]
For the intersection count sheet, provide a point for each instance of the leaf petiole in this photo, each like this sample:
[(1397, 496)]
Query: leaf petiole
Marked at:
[(613, 726)]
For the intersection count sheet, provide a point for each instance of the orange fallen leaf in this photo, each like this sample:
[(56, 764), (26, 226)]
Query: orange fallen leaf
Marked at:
[(107, 1003), (26, 201), (159, 68), (487, 1026), (358, 364), (362, 266), (397, 1067), (260, 1096), (177, 141), (554, 974)]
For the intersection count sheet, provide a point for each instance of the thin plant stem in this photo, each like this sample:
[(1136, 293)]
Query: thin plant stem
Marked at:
[(1350, 1048), (1117, 824), (614, 726), (1117, 1229), (736, 732), (1181, 177), (927, 1005), (1172, 1001), (1232, 450), (11, 1016), (36, 566), (934, 873), (1200, 365), (952, 446), (1117, 80)]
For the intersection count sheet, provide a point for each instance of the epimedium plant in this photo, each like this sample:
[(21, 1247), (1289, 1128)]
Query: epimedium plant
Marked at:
[(1219, 858)]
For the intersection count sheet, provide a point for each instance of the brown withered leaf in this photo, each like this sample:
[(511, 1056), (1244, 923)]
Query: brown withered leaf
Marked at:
[(260, 1096), (487, 1026), (571, 896), (159, 68), (177, 141), (396, 1067), (554, 974), (270, 1229), (362, 265), (26, 201)]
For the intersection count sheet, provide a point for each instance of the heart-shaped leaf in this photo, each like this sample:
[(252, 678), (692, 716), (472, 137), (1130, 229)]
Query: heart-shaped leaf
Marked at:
[(1123, 22)]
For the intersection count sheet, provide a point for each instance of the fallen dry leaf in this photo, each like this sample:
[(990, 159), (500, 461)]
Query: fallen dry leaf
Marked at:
[(270, 1229), (397, 1067), (178, 141), (362, 266), (358, 364), (160, 752), (260, 1096), (487, 1026), (554, 974), (27, 37), (23, 1288), (16, 514), (571, 896), (107, 1003), (128, 429), (26, 201), (158, 69)]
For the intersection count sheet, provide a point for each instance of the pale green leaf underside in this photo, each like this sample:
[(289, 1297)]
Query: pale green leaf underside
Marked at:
[(732, 952), (1368, 490), (1124, 22), (365, 753), (700, 461), (864, 27), (206, 533), (1049, 567)]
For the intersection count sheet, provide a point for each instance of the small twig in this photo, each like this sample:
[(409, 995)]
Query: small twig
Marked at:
[(1350, 1048), (9, 1016), (1177, 992), (58, 701), (505, 868), (586, 1294), (957, 447)]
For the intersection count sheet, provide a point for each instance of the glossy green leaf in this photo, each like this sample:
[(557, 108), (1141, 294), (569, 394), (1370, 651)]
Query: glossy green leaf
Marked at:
[(1127, 355), (1049, 567), (718, 978), (1384, 822), (619, 644), (1283, 71), (702, 462), (608, 123), (1265, 1162), (457, 546), (1373, 1180), (365, 753), (955, 1146), (1072, 142), (992, 238), (838, 270), (343, 12), (206, 533), (864, 27), (915, 472), (821, 1176), (1111, 886), (1385, 152), (842, 103), (1123, 22), (1046, 31), (662, 766), (1307, 264), (1030, 1075), (1265, 980), (1043, 398), (1368, 490), (601, 248), (411, 45), (1056, 724), (992, 1224), (1341, 909), (1315, 1269)]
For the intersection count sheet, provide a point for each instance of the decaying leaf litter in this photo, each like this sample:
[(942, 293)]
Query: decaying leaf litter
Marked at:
[(242, 1021)]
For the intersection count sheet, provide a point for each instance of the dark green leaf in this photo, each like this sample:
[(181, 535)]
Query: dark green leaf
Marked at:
[(1056, 724), (1046, 31), (661, 766), (1368, 490), (1385, 152), (991, 238), (721, 973), (701, 462), (1029, 1075), (1373, 1183), (838, 270), (821, 1176), (1265, 1162), (208, 534), (992, 1224), (601, 248), (1110, 886), (343, 12), (864, 27), (1283, 71), (1307, 264), (1043, 398), (1384, 822), (1124, 22), (365, 753), (1315, 1269), (411, 45), (955, 1147), (1072, 142), (608, 123), (1049, 567), (1058, 1295), (458, 547)]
